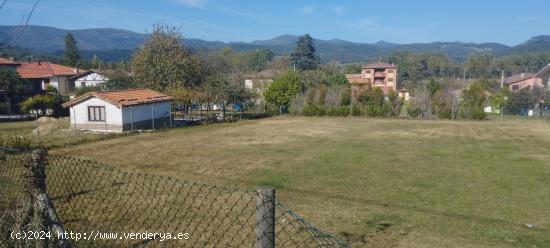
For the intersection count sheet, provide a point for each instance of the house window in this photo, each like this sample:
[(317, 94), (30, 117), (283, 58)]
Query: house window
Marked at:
[(96, 113), (390, 71), (369, 80), (515, 87), (368, 71), (390, 79)]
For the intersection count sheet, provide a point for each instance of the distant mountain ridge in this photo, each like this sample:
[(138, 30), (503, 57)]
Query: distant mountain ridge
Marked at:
[(115, 44)]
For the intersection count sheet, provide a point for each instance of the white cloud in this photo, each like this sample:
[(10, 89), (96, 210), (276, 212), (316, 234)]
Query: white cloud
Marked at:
[(192, 3)]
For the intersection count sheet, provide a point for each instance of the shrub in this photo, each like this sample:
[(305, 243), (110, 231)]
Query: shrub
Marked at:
[(17, 141), (478, 114), (356, 110), (413, 111), (338, 111), (313, 110)]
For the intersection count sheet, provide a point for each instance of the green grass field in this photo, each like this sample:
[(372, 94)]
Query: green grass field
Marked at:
[(393, 183)]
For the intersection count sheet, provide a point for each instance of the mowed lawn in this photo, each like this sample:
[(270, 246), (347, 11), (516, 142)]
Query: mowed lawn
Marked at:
[(374, 182)]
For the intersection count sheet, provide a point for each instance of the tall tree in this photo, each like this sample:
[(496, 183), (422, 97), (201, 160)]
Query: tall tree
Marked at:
[(282, 89), (303, 56), (162, 61), (71, 56)]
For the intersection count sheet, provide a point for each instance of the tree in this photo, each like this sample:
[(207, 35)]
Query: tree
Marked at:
[(282, 89), (37, 103), (162, 61), (303, 56), (71, 55), (473, 101), (10, 81), (521, 101), (498, 99), (12, 84), (433, 86)]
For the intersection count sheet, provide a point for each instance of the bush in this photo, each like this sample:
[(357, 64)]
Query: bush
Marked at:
[(478, 114), (338, 111), (17, 141), (313, 110), (356, 110), (413, 111)]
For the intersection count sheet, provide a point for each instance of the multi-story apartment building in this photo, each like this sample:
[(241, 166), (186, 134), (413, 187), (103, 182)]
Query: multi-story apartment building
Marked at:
[(377, 74)]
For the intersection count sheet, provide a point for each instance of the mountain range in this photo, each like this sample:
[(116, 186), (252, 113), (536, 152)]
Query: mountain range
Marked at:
[(114, 44)]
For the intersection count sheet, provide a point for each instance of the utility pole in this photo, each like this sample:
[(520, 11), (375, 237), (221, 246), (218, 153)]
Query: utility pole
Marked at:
[(501, 86)]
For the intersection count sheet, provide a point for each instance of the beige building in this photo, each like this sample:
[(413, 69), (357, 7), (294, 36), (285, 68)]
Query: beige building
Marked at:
[(379, 74)]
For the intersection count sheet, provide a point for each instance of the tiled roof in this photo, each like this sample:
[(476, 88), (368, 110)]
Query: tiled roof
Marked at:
[(518, 77), (4, 61), (379, 65), (84, 73), (123, 98), (44, 70), (542, 71), (356, 79)]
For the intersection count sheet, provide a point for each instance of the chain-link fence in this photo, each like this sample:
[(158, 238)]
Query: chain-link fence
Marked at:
[(97, 205)]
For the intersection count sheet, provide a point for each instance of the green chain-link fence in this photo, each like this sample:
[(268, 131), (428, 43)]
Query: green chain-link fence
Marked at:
[(105, 207)]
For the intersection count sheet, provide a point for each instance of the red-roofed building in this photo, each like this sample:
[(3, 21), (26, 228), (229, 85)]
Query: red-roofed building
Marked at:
[(45, 74), (121, 110), (378, 74), (529, 81), (8, 63)]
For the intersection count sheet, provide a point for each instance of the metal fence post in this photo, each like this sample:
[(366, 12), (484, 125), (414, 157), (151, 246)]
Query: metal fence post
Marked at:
[(265, 217)]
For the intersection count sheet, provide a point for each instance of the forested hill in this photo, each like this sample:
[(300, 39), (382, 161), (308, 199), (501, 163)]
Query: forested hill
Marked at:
[(116, 44)]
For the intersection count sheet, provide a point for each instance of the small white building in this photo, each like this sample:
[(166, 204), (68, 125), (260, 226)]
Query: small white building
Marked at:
[(121, 110), (89, 78)]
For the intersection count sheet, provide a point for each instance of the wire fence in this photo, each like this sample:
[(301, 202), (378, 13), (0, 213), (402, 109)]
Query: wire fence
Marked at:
[(89, 204)]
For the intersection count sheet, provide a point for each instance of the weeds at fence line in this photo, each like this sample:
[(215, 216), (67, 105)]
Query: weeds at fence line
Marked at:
[(99, 201)]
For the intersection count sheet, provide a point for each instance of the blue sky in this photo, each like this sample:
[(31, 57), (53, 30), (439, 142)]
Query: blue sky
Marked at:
[(508, 22)]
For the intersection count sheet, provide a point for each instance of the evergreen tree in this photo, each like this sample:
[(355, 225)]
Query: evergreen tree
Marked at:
[(303, 56), (71, 56)]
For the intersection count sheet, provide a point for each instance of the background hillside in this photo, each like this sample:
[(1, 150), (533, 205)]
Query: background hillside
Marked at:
[(115, 44)]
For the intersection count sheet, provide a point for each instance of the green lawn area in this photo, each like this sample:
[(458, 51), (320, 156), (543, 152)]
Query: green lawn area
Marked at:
[(399, 183), (49, 138)]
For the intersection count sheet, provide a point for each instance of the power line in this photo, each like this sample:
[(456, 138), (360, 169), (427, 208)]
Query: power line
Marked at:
[(3, 3), (19, 31)]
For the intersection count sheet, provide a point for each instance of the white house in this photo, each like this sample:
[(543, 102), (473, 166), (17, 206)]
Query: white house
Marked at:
[(89, 79), (118, 111), (42, 75)]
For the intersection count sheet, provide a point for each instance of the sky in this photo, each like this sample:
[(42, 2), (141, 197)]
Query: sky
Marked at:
[(507, 22)]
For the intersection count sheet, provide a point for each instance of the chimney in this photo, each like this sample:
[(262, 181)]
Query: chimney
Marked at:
[(39, 63), (522, 75), (75, 70)]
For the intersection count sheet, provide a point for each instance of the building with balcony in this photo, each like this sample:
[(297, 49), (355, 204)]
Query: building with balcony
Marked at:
[(379, 74)]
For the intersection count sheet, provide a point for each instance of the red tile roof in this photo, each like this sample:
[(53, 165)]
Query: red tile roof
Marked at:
[(44, 70), (518, 77), (123, 98), (376, 65), (4, 61)]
